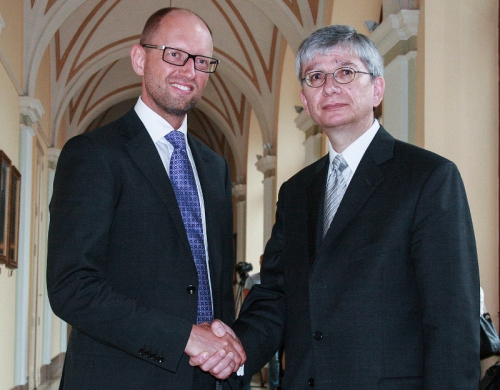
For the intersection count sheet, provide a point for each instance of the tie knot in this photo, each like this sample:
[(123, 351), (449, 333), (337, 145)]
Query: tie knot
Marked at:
[(176, 138), (339, 163)]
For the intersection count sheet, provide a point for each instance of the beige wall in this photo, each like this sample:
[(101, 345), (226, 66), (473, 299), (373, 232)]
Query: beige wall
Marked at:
[(290, 152), (10, 80), (9, 130), (11, 38), (363, 10), (458, 111)]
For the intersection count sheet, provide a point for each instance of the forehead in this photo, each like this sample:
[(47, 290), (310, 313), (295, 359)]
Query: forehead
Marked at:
[(332, 59), (185, 31)]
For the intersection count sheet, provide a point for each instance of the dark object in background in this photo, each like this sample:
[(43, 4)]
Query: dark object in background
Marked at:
[(491, 379), (243, 268), (490, 342)]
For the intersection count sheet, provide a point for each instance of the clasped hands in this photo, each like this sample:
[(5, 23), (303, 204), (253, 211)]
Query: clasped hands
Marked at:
[(215, 349)]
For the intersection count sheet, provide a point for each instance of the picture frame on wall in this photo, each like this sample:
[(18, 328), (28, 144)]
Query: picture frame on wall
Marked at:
[(5, 181), (13, 216)]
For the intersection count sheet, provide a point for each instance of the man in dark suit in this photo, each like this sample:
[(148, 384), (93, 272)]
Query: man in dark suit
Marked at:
[(386, 296), (120, 259)]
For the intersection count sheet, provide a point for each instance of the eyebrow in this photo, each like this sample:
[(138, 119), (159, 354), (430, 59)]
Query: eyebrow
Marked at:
[(341, 64)]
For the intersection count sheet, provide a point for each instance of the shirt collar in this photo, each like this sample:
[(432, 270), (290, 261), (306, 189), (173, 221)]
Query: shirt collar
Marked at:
[(156, 126), (355, 151)]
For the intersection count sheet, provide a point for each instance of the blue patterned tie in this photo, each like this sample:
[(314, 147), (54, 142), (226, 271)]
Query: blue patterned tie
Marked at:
[(182, 178)]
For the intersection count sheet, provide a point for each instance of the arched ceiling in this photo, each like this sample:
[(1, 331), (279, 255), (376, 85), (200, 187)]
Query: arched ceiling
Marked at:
[(93, 81)]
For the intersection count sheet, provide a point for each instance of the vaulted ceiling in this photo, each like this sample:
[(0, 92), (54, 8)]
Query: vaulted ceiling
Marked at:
[(93, 81)]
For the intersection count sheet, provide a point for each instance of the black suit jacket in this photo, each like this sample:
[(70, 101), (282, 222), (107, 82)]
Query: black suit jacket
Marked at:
[(389, 299), (120, 269)]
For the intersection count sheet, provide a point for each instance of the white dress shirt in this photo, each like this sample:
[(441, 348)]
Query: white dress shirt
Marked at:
[(158, 128), (354, 152)]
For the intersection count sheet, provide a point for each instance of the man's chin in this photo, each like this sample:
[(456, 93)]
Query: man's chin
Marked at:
[(180, 111)]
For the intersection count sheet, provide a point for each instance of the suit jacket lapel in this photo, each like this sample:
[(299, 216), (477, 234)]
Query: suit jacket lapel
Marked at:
[(366, 178), (144, 153), (315, 200)]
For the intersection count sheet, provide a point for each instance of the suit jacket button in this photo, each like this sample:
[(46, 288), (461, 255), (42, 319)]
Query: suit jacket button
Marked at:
[(191, 290), (318, 335), (142, 352), (311, 382), (160, 359)]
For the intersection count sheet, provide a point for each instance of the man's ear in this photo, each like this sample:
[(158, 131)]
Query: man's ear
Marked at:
[(378, 90), (138, 58)]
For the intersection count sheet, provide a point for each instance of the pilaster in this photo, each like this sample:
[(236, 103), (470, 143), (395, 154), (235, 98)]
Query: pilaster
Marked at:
[(267, 165), (239, 193), (396, 39)]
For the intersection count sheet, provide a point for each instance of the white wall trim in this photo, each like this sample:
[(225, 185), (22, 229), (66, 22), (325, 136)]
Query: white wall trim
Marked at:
[(31, 107), (398, 27), (23, 272)]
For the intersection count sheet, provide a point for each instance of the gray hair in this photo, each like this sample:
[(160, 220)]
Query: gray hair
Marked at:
[(326, 39)]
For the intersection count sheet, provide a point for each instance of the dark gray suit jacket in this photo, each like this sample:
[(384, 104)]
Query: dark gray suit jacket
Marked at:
[(120, 269), (389, 299)]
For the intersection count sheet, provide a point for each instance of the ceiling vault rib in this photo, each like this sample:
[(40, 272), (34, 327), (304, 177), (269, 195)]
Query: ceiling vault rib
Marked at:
[(74, 69), (62, 60), (252, 76), (267, 70)]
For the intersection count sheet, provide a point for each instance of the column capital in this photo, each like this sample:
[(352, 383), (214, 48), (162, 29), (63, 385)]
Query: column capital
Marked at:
[(53, 157), (305, 123), (266, 165), (397, 29), (239, 192), (31, 110), (390, 7)]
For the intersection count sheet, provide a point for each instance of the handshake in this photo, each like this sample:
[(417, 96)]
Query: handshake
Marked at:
[(215, 349)]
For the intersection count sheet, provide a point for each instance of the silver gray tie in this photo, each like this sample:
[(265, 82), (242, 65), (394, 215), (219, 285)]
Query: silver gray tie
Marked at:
[(335, 189)]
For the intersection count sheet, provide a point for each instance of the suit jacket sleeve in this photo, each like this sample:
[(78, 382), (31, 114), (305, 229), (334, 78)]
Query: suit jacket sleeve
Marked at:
[(261, 323), (86, 193), (443, 252)]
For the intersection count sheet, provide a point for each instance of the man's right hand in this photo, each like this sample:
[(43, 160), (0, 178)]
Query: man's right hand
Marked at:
[(215, 349)]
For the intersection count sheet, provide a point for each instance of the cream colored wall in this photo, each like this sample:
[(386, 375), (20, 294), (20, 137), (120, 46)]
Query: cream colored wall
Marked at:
[(10, 80), (9, 129), (255, 198), (458, 111), (290, 152), (345, 13), (11, 39)]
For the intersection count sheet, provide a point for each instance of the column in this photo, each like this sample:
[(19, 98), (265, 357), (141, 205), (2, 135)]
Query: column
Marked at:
[(396, 39), (239, 193), (267, 165), (314, 143), (31, 112)]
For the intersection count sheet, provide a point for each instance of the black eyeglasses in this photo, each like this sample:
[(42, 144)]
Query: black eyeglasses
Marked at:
[(344, 75), (180, 57)]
